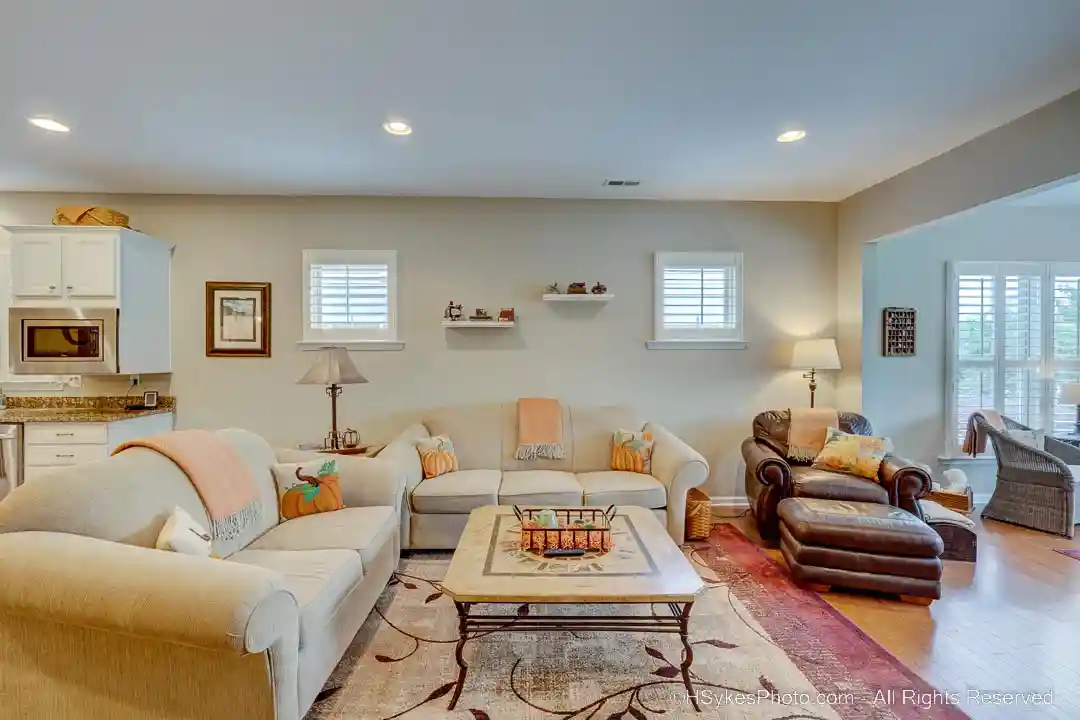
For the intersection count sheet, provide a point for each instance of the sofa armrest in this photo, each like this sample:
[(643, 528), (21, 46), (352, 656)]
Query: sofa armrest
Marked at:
[(765, 464), (365, 482), (402, 450), (153, 594), (905, 482), (675, 463)]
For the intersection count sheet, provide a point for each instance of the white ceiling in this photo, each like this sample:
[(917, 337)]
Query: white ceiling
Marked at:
[(1064, 194), (515, 97)]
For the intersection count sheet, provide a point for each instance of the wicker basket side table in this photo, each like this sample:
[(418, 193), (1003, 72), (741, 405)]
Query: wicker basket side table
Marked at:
[(698, 515)]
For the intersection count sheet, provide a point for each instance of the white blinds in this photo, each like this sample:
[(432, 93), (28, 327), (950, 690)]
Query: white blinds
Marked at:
[(1016, 338), (349, 295), (699, 295)]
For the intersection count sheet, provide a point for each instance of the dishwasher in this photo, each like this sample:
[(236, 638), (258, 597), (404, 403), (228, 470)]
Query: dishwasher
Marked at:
[(11, 470)]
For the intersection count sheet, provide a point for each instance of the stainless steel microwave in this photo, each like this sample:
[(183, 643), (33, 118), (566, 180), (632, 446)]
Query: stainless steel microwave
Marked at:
[(63, 341)]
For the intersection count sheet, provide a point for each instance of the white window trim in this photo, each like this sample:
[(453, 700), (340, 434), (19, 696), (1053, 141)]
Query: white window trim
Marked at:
[(353, 340), (952, 330), (662, 339)]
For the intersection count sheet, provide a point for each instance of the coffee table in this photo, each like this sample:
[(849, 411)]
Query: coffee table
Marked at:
[(645, 566)]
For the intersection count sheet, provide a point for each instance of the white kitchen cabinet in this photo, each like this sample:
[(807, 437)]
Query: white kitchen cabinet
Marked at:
[(37, 266), (89, 265), (51, 445)]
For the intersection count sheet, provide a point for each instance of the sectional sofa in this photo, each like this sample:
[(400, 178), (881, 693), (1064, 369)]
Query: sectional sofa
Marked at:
[(485, 439)]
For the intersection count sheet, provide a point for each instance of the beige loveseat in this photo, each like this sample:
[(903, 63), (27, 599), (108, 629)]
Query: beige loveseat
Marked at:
[(485, 439), (95, 624)]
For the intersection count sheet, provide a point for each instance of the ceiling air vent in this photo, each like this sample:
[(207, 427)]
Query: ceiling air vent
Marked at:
[(622, 183)]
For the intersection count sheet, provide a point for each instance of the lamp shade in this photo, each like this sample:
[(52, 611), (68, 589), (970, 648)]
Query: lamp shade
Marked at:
[(817, 354), (1070, 394), (333, 366)]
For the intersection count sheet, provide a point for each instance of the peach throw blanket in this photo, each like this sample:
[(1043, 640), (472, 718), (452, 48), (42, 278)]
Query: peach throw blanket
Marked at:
[(975, 433), (807, 431), (539, 429), (218, 473)]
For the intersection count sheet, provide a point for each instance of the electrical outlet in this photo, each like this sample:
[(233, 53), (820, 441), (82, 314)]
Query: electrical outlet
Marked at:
[(134, 380)]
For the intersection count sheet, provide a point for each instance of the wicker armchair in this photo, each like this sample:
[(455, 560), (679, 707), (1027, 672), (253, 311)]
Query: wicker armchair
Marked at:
[(1035, 488)]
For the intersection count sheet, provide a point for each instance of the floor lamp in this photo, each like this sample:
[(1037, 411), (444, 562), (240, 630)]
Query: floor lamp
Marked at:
[(812, 356)]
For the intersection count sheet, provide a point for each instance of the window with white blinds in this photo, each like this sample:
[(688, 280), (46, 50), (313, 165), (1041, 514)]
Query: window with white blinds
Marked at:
[(1015, 339), (698, 297), (350, 295)]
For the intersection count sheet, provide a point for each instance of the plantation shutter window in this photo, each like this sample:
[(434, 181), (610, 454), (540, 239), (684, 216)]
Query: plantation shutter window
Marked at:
[(1015, 339), (350, 295), (698, 298)]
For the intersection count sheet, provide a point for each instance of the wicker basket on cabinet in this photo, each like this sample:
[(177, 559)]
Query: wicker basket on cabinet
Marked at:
[(698, 515)]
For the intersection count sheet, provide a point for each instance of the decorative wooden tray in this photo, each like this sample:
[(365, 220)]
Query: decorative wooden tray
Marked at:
[(583, 528)]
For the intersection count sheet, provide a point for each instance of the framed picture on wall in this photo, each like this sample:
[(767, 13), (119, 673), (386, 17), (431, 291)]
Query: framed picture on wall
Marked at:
[(237, 319)]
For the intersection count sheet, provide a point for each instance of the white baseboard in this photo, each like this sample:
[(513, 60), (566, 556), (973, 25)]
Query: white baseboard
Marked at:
[(726, 506)]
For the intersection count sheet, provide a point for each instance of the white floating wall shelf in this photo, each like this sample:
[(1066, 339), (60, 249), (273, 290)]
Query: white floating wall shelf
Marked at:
[(477, 324), (589, 297)]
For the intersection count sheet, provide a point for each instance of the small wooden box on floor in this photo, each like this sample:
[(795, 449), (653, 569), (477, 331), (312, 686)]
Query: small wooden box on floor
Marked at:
[(861, 546)]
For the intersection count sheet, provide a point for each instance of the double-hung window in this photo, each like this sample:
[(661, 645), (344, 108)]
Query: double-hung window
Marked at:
[(698, 300), (1014, 339), (350, 298)]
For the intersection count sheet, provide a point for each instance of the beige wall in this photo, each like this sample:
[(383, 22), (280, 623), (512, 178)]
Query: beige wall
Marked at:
[(494, 253), (1034, 150)]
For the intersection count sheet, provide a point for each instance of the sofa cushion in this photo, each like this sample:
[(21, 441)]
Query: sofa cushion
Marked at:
[(615, 487), (539, 487), (592, 428), (813, 483), (363, 529), (457, 492), (319, 579), (476, 431)]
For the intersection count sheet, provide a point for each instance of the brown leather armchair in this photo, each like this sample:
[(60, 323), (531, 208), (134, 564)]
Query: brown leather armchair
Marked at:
[(771, 476)]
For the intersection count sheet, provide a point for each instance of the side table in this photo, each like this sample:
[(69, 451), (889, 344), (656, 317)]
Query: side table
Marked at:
[(358, 451)]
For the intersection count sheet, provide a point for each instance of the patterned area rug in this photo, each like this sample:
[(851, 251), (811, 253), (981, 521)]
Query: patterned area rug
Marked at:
[(763, 648)]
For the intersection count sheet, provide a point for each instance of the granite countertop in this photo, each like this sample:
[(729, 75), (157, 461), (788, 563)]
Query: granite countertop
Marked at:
[(25, 415), (109, 408)]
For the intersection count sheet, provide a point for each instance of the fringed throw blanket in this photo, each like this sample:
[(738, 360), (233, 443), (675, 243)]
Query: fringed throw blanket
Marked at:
[(539, 429), (807, 431), (217, 472), (975, 434)]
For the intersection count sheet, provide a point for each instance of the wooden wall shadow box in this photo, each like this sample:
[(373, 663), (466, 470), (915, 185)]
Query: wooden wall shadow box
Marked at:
[(898, 332)]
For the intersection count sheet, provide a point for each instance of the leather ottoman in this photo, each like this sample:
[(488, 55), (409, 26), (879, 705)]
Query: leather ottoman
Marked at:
[(863, 546)]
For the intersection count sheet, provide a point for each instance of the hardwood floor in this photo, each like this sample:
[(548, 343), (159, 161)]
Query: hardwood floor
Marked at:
[(1007, 623)]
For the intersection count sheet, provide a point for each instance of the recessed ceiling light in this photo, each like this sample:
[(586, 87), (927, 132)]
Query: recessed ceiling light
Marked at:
[(49, 124), (791, 136), (397, 127)]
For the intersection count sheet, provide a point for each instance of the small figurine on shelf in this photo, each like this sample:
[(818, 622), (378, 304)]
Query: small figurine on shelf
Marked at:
[(480, 314), (553, 289), (599, 289), (453, 312), (506, 315), (577, 288)]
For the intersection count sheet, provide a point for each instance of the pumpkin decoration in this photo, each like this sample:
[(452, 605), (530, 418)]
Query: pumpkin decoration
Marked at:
[(631, 451), (437, 456), (313, 494)]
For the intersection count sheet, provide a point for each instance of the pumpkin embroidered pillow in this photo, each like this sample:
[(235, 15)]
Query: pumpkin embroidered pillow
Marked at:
[(852, 454), (308, 488), (437, 456), (632, 451)]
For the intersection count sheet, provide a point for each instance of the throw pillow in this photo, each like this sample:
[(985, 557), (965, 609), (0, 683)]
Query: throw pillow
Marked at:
[(437, 456), (1031, 438), (307, 488), (632, 451), (183, 534), (858, 455)]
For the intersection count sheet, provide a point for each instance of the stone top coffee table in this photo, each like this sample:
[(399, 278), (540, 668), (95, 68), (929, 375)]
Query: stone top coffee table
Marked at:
[(645, 566)]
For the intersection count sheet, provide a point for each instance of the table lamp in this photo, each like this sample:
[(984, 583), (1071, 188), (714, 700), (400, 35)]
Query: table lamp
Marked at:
[(814, 355), (1070, 395), (333, 368)]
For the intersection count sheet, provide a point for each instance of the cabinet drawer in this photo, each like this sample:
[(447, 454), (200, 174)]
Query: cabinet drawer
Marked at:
[(30, 474), (65, 433), (38, 455)]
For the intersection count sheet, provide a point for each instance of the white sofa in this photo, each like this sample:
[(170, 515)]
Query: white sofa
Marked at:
[(485, 439), (95, 624)]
